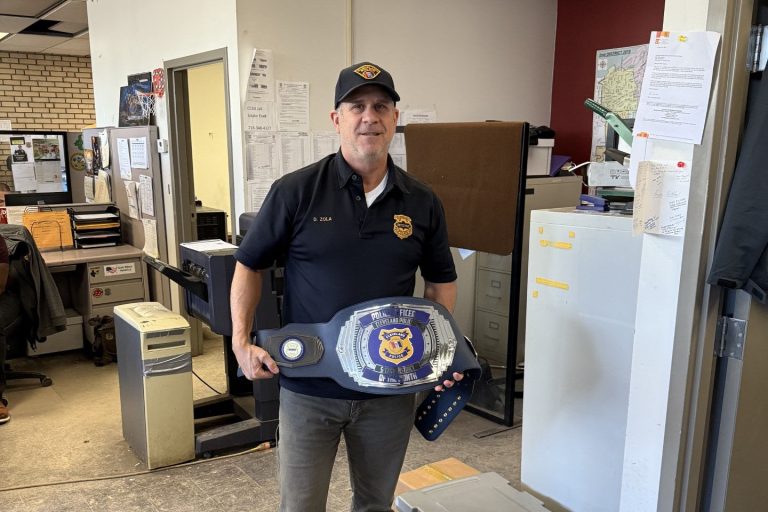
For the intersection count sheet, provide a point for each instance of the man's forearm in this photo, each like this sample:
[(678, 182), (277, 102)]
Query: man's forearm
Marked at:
[(442, 293), (243, 300)]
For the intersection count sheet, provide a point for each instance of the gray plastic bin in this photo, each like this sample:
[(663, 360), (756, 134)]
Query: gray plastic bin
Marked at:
[(486, 492)]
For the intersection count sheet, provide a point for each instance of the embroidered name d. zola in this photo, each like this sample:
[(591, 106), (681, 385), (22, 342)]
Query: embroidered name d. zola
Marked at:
[(403, 227)]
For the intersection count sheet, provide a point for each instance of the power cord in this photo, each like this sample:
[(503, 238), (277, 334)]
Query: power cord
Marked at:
[(262, 447), (209, 386)]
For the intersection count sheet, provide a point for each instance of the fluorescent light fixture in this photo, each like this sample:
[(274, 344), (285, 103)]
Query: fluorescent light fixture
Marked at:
[(3, 34)]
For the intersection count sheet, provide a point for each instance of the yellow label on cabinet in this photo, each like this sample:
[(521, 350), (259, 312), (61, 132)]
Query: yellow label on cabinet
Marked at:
[(556, 245), (551, 282)]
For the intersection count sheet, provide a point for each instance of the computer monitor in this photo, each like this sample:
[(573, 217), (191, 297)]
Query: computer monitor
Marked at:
[(39, 164)]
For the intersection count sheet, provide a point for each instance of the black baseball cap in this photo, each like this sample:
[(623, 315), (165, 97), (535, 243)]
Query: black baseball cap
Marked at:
[(360, 74)]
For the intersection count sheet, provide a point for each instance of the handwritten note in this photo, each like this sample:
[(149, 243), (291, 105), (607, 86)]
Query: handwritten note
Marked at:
[(661, 197)]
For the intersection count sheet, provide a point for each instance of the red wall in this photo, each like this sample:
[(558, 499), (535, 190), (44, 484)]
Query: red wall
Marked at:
[(583, 27)]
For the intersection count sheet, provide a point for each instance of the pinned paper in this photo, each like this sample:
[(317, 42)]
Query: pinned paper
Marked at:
[(150, 238), (661, 197), (147, 196), (676, 86), (133, 202), (124, 156)]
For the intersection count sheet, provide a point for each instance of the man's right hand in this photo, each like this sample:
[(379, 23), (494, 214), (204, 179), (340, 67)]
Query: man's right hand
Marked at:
[(254, 361)]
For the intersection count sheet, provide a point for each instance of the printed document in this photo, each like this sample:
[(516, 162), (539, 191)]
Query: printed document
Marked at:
[(676, 86)]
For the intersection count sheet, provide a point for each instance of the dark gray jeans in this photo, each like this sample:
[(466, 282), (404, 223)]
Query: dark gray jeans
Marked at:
[(376, 433)]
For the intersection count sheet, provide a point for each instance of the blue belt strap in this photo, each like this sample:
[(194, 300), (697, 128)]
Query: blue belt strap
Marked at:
[(388, 346)]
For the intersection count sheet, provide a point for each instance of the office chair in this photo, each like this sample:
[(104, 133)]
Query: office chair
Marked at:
[(16, 333), (14, 339)]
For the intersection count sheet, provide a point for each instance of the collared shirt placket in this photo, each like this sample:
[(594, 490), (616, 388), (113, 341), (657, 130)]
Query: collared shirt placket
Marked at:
[(358, 199)]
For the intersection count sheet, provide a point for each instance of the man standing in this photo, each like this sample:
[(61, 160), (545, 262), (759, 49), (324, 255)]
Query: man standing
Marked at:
[(351, 227)]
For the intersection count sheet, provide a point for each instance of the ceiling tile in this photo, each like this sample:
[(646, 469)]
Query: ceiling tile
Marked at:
[(73, 10), (72, 44), (13, 24), (70, 27), (29, 43), (26, 7)]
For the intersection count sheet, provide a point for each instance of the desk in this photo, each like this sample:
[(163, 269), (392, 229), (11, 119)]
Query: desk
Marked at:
[(94, 281)]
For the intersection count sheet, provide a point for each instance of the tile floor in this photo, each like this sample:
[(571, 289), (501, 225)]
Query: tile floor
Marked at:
[(71, 432)]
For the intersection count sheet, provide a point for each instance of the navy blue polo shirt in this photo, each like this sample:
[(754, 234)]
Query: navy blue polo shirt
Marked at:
[(339, 252)]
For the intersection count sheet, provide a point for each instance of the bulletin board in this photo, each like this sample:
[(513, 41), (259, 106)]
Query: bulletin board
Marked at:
[(139, 169), (477, 170)]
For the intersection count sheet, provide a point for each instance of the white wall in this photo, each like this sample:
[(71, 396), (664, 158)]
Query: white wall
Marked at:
[(472, 61), (140, 38), (308, 42), (137, 36)]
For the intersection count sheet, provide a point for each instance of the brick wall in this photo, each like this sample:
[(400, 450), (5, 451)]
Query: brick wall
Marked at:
[(44, 92)]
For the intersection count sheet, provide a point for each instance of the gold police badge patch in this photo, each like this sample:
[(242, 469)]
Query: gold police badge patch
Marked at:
[(395, 345), (368, 71), (403, 227)]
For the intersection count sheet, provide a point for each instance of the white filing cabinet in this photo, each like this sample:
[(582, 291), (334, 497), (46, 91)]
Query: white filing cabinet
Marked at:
[(582, 297), (494, 273)]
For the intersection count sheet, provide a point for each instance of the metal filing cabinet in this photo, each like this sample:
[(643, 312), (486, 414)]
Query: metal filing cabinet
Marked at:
[(108, 284), (494, 273), (492, 305)]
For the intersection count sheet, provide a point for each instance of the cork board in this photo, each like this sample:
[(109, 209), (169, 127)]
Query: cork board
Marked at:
[(476, 170)]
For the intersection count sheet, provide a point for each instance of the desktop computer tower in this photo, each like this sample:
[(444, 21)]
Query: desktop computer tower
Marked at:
[(211, 223), (155, 375)]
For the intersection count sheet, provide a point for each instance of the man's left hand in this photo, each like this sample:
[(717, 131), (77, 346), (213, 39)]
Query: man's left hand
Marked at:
[(449, 383)]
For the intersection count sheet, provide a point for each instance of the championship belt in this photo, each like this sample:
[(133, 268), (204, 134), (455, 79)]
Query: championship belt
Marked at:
[(389, 346)]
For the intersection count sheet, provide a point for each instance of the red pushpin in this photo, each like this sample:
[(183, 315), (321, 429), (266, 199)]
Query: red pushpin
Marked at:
[(681, 164)]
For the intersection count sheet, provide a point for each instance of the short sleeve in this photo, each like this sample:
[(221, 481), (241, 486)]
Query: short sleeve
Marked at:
[(269, 235), (437, 265)]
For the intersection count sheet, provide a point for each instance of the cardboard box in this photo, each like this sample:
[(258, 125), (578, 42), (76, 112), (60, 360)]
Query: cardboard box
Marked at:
[(434, 473), (540, 158)]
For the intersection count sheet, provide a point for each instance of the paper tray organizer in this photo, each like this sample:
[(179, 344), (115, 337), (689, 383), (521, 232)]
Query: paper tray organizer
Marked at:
[(101, 228)]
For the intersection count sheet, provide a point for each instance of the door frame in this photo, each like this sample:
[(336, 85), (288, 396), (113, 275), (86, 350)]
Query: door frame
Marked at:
[(180, 155)]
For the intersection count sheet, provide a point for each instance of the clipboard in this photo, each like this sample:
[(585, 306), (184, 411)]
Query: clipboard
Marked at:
[(50, 229)]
